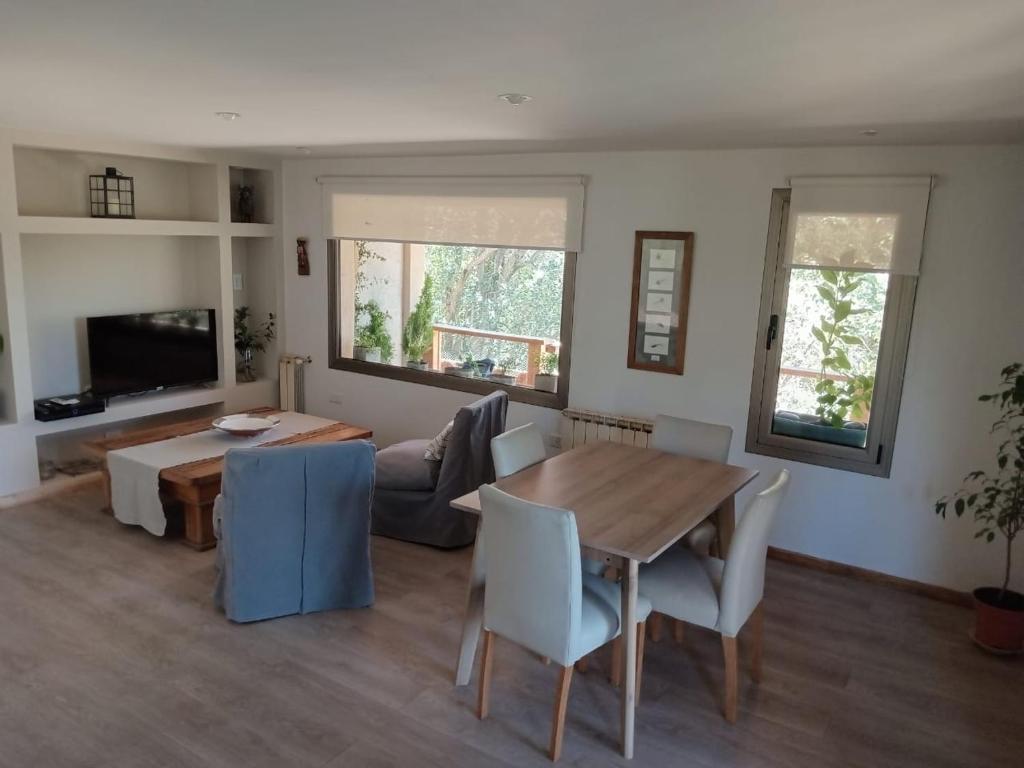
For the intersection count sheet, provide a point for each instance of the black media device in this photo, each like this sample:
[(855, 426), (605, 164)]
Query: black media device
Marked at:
[(67, 406), (146, 352)]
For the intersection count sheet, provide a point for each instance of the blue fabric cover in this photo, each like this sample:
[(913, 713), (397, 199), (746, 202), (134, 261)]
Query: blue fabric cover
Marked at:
[(294, 530)]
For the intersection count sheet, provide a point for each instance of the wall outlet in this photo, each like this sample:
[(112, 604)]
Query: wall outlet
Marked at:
[(334, 398), (236, 281), (554, 441)]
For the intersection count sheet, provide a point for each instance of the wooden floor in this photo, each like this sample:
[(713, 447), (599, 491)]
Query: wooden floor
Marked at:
[(111, 654)]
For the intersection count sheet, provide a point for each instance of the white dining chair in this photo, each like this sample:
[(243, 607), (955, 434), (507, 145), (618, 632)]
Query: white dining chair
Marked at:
[(517, 449), (522, 447), (723, 595), (538, 595)]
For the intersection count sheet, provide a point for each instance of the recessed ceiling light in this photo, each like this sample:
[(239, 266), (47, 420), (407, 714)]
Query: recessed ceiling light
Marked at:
[(228, 116), (869, 132), (515, 99)]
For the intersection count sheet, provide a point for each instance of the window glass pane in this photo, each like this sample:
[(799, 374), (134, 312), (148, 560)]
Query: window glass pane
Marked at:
[(833, 327), (477, 312)]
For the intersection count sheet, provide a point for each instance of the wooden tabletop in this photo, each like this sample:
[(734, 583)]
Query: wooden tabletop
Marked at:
[(628, 501)]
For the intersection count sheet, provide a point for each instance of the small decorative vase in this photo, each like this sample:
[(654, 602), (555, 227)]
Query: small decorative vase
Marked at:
[(247, 370)]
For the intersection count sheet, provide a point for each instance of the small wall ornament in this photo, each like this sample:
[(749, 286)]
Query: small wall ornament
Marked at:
[(111, 195), (302, 255)]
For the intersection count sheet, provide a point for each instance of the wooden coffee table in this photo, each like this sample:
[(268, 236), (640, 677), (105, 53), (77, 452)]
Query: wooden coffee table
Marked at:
[(195, 485)]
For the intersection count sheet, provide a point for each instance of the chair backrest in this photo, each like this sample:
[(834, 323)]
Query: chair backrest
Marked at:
[(467, 462), (743, 579), (534, 584), (696, 439), (517, 449), (295, 529)]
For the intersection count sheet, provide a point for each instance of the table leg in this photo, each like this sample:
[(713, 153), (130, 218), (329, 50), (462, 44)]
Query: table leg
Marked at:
[(726, 525), (199, 526), (630, 572), (107, 490), (473, 621)]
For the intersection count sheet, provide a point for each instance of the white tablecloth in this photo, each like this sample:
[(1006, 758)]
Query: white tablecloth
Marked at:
[(135, 471)]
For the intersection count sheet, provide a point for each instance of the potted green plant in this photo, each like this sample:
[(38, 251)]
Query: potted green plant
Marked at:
[(249, 341), (418, 333), (996, 499), (504, 373), (373, 342), (547, 379)]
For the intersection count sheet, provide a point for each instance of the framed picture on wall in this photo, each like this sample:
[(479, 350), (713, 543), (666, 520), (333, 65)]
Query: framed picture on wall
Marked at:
[(662, 265)]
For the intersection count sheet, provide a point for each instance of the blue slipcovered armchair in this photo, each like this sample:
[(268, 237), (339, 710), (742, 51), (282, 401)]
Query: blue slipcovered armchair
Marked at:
[(293, 525)]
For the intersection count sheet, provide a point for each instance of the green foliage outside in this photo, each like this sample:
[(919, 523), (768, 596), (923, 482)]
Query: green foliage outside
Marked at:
[(835, 333), (549, 363), (997, 499), (507, 290), (418, 333)]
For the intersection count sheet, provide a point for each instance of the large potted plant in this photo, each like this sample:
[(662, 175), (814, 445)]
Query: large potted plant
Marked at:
[(418, 333), (996, 500), (373, 342), (250, 340)]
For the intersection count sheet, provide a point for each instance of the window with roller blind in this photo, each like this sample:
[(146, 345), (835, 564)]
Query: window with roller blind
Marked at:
[(841, 271), (456, 282)]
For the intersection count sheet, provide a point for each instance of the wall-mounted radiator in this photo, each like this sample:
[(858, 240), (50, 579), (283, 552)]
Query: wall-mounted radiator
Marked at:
[(579, 427), (291, 369)]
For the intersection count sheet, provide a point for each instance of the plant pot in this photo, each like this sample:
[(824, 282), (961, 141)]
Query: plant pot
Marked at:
[(545, 382), (246, 370), (458, 370), (418, 365), (366, 354), (500, 378), (999, 626)]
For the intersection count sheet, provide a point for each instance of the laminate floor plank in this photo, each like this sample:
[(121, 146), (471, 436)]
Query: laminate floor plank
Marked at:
[(111, 653)]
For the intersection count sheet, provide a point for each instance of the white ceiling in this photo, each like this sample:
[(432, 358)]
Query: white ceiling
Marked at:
[(370, 75)]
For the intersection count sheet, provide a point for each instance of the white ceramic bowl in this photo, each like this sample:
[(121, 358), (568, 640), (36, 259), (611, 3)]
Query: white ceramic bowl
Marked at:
[(243, 425)]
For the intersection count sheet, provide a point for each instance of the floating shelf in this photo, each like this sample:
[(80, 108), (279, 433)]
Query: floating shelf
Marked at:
[(126, 408), (72, 225)]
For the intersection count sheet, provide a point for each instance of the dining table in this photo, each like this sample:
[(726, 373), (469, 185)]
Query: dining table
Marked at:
[(631, 504)]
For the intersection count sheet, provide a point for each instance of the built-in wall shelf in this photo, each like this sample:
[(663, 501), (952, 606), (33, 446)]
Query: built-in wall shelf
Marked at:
[(127, 408), (70, 225), (187, 247)]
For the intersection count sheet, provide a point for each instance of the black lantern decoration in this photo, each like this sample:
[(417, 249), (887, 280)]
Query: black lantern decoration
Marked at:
[(112, 196)]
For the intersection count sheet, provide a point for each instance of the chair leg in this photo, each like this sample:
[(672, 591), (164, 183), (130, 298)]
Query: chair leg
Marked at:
[(641, 631), (757, 642), (486, 662), (558, 720), (678, 626), (615, 670), (729, 647), (655, 623)]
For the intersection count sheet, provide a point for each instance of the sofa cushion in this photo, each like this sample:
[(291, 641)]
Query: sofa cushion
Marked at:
[(401, 467)]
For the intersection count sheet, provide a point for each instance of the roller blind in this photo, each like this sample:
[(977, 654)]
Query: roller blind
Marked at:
[(514, 212), (873, 224)]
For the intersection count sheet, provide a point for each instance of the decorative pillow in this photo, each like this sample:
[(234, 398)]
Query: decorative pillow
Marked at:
[(437, 446)]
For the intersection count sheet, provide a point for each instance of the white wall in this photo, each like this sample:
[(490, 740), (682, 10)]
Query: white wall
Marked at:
[(968, 323)]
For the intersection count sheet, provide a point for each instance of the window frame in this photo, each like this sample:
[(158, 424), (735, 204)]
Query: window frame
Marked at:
[(876, 457), (558, 399)]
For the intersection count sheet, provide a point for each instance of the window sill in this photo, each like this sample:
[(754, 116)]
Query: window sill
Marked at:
[(559, 400)]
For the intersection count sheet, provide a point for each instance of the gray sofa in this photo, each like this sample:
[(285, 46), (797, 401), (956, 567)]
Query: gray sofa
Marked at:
[(412, 496)]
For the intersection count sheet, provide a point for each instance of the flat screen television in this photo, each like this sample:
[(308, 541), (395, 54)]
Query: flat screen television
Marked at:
[(144, 352)]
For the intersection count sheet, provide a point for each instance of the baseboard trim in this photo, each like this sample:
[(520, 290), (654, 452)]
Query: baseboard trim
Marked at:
[(943, 594)]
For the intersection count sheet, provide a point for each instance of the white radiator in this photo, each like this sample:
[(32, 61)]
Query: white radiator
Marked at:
[(291, 371), (579, 427)]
